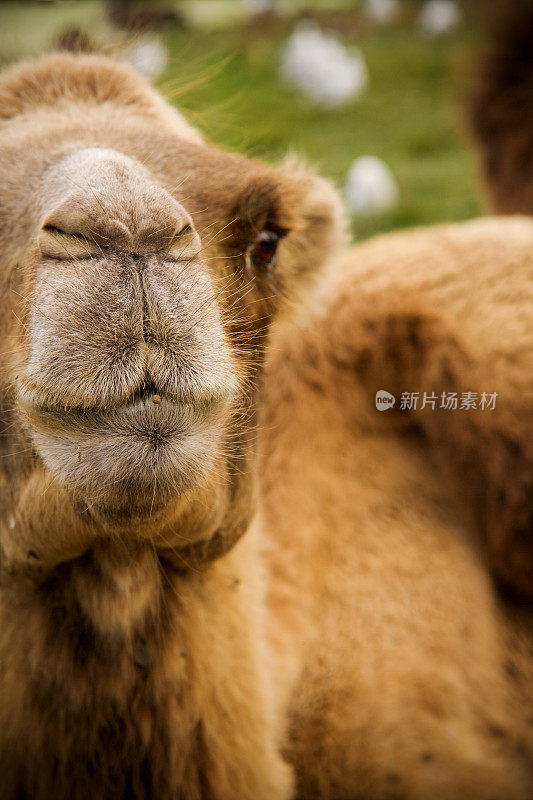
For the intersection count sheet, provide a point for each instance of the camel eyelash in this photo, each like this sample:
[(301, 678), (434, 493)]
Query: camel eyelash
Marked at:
[(53, 229)]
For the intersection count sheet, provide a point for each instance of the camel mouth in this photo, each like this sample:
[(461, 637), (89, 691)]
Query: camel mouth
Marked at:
[(134, 456), (148, 395), (146, 426)]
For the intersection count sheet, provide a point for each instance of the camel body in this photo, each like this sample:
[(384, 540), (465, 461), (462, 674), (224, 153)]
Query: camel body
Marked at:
[(398, 541)]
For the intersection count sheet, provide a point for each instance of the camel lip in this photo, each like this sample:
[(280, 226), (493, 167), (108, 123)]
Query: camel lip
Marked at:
[(147, 427), (149, 394), (156, 405)]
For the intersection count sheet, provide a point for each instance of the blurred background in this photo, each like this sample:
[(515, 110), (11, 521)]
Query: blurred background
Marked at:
[(370, 92)]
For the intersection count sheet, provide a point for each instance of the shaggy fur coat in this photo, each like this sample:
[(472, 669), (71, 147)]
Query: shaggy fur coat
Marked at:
[(399, 541)]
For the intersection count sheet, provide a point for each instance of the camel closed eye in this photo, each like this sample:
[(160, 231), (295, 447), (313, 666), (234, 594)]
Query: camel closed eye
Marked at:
[(62, 246), (184, 245)]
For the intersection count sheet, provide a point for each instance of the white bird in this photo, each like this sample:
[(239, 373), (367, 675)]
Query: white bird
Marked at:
[(381, 11), (370, 186), (148, 56), (439, 16), (324, 70), (259, 6)]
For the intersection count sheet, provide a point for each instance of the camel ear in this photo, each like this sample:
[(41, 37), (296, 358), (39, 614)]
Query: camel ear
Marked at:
[(316, 221)]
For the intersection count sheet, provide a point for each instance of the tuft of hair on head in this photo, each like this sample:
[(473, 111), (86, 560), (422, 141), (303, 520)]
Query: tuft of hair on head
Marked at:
[(74, 39)]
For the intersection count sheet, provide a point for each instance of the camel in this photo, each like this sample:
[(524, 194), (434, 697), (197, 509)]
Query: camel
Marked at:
[(224, 573), (140, 270), (499, 109)]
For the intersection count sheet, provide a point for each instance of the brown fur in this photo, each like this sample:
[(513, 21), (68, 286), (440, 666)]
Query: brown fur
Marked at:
[(134, 660), (131, 665), (404, 670), (501, 108)]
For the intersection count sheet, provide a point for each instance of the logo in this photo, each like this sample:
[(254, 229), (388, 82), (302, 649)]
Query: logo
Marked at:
[(384, 400)]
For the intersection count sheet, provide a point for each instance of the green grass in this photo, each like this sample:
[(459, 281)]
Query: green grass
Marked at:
[(226, 79), (410, 114)]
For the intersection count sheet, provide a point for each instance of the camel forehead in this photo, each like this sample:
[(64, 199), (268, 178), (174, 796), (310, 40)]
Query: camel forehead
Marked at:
[(101, 190), (105, 176)]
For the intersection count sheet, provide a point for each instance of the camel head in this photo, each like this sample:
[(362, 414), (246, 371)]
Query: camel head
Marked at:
[(142, 269)]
